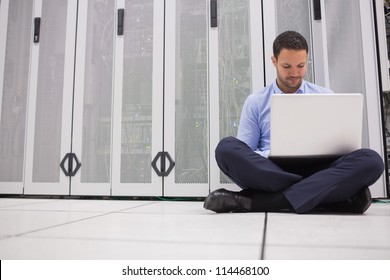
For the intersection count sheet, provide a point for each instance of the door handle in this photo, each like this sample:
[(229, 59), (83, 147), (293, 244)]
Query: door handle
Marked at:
[(68, 171), (213, 13), (163, 172), (317, 9), (121, 18), (37, 29)]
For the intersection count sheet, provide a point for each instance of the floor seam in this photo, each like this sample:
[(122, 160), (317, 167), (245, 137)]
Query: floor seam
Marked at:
[(264, 236)]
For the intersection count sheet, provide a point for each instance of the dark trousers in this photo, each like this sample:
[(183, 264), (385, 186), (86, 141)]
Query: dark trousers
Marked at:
[(306, 183)]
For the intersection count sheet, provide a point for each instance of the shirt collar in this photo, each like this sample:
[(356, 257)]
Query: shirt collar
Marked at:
[(277, 90)]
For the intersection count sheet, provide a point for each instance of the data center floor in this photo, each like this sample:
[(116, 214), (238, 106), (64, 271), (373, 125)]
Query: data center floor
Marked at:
[(117, 229)]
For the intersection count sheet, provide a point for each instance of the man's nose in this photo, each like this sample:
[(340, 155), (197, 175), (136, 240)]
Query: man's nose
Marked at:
[(295, 72)]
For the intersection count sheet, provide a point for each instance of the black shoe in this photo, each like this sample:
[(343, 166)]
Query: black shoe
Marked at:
[(224, 201), (358, 203)]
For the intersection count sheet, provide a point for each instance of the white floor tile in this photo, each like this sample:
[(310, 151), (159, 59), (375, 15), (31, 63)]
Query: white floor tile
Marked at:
[(284, 252), (78, 205), (221, 229), (340, 236), (21, 222), (48, 248), (13, 202), (172, 207)]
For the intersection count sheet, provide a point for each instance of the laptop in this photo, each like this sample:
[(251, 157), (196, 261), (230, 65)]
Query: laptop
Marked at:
[(315, 125)]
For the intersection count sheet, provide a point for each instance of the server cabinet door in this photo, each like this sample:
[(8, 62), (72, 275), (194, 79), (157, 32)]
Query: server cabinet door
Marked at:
[(186, 121), (138, 103), (236, 70), (50, 96), (349, 63), (92, 119), (15, 54)]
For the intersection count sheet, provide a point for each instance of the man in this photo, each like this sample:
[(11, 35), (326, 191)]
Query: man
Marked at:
[(337, 185)]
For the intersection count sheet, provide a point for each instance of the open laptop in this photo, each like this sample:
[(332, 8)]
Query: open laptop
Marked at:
[(315, 125)]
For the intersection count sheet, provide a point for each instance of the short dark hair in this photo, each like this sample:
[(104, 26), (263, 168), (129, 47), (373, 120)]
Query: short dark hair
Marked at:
[(290, 40)]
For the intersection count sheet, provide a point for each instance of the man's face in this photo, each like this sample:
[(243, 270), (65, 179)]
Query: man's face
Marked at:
[(290, 69)]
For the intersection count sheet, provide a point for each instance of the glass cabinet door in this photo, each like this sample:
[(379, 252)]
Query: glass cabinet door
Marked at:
[(15, 40), (236, 67), (138, 102), (186, 137), (50, 96), (92, 119), (350, 45)]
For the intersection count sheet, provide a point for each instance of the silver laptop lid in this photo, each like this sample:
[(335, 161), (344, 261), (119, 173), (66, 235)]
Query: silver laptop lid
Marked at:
[(315, 124)]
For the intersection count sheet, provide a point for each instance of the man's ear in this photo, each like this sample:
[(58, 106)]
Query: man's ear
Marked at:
[(274, 60)]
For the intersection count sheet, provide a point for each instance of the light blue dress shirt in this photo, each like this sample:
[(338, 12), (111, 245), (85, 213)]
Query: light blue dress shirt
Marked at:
[(254, 128)]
